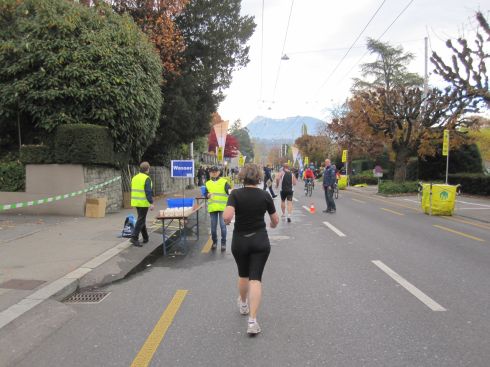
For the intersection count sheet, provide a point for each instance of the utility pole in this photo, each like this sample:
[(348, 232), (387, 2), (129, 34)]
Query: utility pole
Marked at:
[(426, 74)]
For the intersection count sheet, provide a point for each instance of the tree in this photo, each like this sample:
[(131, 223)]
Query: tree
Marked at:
[(468, 73), (157, 19), (411, 123), (389, 70), (215, 35), (65, 63), (243, 137), (231, 145), (316, 148)]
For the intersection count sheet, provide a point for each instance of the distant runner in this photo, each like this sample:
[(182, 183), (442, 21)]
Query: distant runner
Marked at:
[(286, 181)]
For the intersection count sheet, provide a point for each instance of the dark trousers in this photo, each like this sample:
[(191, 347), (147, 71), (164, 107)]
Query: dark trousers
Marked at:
[(329, 198), (270, 188), (140, 224)]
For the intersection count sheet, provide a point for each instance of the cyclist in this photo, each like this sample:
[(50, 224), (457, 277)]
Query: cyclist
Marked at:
[(309, 177)]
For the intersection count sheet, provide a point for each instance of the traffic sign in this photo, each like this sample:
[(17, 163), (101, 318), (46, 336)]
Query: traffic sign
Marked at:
[(445, 143), (182, 169), (344, 156)]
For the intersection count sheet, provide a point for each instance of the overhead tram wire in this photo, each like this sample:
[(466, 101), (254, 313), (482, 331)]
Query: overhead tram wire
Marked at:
[(350, 48), (262, 55), (382, 34), (282, 52)]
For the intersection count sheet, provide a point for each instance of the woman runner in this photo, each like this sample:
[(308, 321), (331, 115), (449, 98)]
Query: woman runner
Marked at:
[(250, 244)]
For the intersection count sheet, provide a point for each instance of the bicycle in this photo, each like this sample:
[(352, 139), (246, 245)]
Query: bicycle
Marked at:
[(335, 190), (308, 187)]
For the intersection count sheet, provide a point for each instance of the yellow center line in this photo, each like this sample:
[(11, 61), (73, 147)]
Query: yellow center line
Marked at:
[(145, 355), (460, 233), (471, 223), (392, 211), (207, 246), (359, 201)]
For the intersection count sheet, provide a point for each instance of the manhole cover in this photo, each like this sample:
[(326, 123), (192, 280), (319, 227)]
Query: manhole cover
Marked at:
[(87, 297)]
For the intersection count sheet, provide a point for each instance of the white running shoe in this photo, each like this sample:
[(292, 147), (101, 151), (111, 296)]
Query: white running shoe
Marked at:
[(244, 309), (253, 328)]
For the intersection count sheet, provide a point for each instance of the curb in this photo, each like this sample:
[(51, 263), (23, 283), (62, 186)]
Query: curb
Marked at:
[(60, 288)]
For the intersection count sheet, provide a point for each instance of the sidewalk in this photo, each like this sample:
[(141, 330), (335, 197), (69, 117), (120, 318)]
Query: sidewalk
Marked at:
[(46, 256)]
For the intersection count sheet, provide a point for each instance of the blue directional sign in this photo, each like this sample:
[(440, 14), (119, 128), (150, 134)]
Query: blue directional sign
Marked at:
[(182, 169)]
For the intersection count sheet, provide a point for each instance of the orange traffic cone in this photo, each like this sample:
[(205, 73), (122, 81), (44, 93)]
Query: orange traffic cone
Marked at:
[(312, 209)]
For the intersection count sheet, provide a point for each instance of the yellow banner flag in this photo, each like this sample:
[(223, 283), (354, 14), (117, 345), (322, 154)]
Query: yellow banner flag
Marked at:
[(344, 156), (220, 154), (306, 161), (241, 161), (445, 143)]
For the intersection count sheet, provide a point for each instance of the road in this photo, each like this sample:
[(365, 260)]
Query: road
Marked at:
[(376, 284)]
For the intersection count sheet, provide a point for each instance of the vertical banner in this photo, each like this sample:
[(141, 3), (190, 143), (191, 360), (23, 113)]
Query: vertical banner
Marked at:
[(445, 143), (220, 154), (241, 160), (295, 153), (344, 156), (221, 130), (306, 161)]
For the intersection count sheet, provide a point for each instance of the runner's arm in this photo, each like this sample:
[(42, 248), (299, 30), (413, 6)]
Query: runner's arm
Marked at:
[(228, 214)]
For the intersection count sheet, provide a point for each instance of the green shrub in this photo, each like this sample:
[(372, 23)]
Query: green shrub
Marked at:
[(84, 144), (390, 187), (362, 165), (36, 154), (12, 176), (65, 63), (471, 183), (360, 179)]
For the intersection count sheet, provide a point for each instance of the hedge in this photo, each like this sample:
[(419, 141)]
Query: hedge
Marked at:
[(390, 187), (12, 176), (36, 154), (471, 183), (360, 179), (84, 144)]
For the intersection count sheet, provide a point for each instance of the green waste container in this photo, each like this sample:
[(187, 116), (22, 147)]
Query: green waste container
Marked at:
[(438, 199)]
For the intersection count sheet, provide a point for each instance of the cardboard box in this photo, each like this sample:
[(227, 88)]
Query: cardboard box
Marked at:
[(95, 208)]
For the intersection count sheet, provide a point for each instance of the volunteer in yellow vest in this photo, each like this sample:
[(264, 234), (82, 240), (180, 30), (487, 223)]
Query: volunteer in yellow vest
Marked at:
[(141, 199), (217, 190)]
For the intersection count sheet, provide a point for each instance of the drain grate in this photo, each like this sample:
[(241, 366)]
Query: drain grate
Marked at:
[(87, 297)]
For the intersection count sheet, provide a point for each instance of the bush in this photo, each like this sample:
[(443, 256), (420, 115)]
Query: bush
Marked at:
[(390, 187), (360, 179), (471, 183), (12, 176), (362, 165), (84, 144), (65, 63), (36, 154), (466, 159)]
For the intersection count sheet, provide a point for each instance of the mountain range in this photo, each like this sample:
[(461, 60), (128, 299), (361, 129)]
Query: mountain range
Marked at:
[(287, 129)]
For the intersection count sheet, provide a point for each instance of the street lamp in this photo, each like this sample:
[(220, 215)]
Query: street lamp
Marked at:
[(285, 57)]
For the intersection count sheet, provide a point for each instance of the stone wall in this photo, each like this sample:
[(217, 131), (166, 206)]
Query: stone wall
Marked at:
[(94, 175), (163, 183)]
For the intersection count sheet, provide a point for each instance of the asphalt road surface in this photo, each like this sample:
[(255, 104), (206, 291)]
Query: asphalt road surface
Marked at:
[(376, 284)]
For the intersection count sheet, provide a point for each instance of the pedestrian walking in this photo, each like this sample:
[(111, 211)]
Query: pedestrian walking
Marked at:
[(200, 175), (142, 200), (217, 190), (329, 178), (268, 180), (250, 244), (286, 181)]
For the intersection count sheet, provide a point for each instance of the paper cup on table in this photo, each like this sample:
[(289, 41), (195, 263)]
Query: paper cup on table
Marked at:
[(161, 213)]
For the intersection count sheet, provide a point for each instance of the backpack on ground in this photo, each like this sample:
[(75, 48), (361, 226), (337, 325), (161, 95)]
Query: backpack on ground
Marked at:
[(128, 227)]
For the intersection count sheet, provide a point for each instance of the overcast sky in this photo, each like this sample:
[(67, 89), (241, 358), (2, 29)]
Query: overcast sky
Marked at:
[(319, 34)]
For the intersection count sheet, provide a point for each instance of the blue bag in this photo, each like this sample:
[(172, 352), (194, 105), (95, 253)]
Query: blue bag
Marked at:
[(129, 224)]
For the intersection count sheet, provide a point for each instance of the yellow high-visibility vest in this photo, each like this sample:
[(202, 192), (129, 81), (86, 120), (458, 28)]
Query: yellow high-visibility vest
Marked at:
[(217, 202), (138, 196)]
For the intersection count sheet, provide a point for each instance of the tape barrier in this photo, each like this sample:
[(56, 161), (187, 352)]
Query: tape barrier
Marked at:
[(57, 197)]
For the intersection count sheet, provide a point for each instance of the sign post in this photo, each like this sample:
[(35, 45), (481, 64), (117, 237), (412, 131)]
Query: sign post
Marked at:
[(344, 160), (445, 151)]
